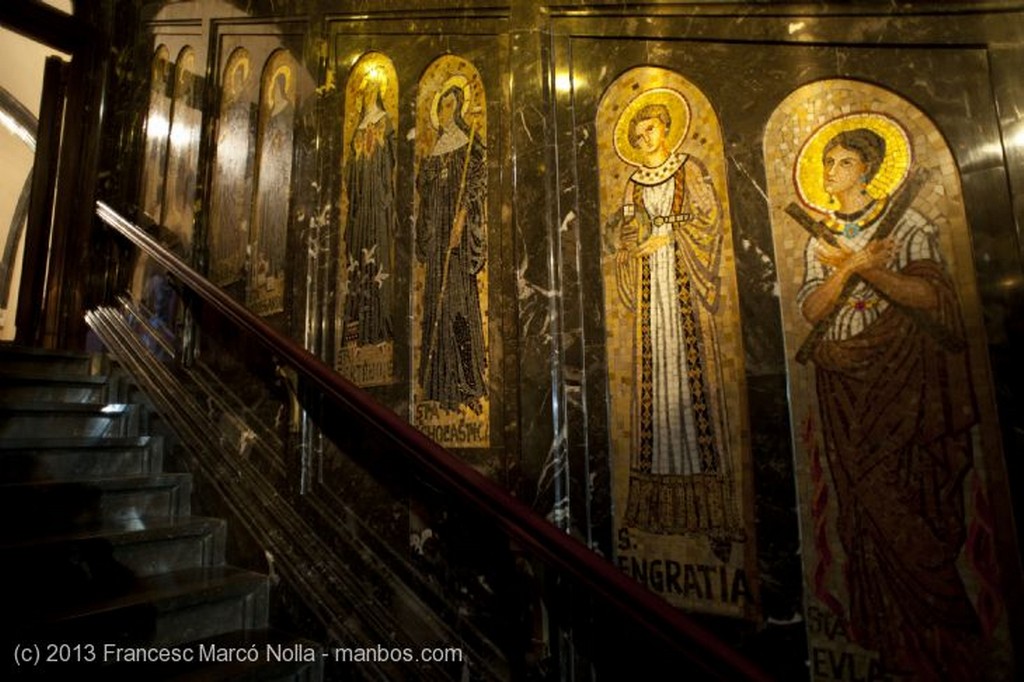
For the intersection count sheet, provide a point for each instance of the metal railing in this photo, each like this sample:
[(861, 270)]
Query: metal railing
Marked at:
[(704, 654)]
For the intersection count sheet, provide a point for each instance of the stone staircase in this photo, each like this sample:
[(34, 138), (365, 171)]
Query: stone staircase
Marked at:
[(102, 556)]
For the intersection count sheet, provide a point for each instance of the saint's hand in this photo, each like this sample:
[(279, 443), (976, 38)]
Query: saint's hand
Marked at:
[(652, 244), (833, 256), (628, 233), (875, 254)]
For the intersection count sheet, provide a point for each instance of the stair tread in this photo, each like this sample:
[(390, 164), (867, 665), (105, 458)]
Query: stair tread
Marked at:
[(75, 442), (67, 363), (24, 460), (191, 585), (122, 531), (156, 480), (37, 376), (29, 419), (158, 579), (107, 558), (160, 592), (44, 507), (106, 409), (14, 349)]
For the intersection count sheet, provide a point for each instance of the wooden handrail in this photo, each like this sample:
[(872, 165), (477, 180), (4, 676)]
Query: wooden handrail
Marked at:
[(527, 528)]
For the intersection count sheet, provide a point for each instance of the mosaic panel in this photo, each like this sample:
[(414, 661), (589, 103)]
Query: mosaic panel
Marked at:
[(451, 403), (679, 444), (369, 214), (271, 208), (183, 152), (232, 183), (896, 442), (157, 128)]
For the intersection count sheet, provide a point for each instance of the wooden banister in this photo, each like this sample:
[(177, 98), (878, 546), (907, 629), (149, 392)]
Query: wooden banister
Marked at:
[(656, 618)]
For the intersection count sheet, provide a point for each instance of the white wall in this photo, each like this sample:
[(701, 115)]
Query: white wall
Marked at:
[(22, 76)]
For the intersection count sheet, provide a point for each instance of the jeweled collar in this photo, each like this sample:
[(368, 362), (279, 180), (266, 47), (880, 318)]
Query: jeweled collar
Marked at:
[(852, 224), (659, 174)]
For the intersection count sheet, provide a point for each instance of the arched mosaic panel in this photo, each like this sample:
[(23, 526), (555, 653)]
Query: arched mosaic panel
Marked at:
[(231, 186), (271, 209), (675, 358), (183, 152), (158, 124), (369, 223), (451, 401), (896, 446)]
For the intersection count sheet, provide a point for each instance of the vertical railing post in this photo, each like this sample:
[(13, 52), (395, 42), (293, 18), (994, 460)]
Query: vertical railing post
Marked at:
[(35, 260), (73, 283)]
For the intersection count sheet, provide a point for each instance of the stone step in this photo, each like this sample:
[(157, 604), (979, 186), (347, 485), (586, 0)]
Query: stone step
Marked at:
[(37, 360), (166, 609), (100, 548), (106, 556), (34, 509), (20, 387), (50, 420), (24, 460)]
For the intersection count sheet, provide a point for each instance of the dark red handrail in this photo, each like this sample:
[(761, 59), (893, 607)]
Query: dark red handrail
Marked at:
[(527, 528)]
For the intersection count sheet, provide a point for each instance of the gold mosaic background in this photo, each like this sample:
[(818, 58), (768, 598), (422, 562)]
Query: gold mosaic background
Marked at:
[(709, 584), (940, 201), (462, 428)]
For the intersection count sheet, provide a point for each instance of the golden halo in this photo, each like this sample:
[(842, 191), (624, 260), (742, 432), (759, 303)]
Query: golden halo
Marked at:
[(375, 75), (809, 171), (161, 60), (186, 62), (678, 110), (286, 71), (459, 81), (239, 61)]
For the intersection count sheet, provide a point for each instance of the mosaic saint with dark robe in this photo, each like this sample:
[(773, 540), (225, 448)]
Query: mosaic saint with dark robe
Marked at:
[(183, 152), (157, 126), (451, 241), (370, 224), (232, 180), (272, 197)]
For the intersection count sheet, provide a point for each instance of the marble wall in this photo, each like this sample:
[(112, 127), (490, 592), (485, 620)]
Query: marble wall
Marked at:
[(522, 209)]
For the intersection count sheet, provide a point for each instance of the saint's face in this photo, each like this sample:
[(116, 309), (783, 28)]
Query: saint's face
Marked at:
[(843, 170), (650, 135), (370, 95), (279, 94), (446, 110)]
